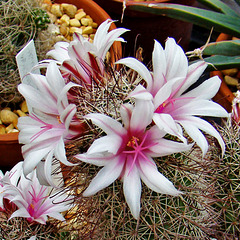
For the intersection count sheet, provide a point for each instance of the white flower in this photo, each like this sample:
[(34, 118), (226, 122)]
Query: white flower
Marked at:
[(51, 121), (174, 106), (84, 60), (127, 152), (34, 201), (13, 175)]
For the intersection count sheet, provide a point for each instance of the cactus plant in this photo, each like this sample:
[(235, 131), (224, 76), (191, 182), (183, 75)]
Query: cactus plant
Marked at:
[(20, 22)]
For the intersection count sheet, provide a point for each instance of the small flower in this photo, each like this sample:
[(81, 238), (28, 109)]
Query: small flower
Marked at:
[(51, 121), (33, 200), (85, 60), (127, 152), (13, 175), (235, 114), (174, 106)]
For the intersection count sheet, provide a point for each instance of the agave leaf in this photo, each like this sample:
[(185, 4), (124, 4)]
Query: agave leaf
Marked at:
[(226, 48), (205, 18), (219, 6), (223, 62)]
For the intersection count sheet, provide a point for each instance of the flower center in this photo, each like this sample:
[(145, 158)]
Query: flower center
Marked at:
[(161, 107), (31, 209), (137, 148), (36, 208), (133, 142)]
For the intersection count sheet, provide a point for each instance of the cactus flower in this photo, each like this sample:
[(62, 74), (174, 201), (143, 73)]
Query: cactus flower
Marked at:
[(33, 200), (85, 60), (176, 107), (13, 175), (127, 152), (51, 121)]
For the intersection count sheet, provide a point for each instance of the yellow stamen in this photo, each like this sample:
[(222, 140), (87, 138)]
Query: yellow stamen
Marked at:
[(133, 141), (58, 118)]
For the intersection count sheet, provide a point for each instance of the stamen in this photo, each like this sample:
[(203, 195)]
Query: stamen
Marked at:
[(133, 142), (171, 101), (138, 149), (58, 118)]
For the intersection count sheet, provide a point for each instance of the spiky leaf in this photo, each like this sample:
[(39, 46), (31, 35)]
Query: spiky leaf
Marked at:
[(218, 6), (202, 17), (226, 48), (223, 62)]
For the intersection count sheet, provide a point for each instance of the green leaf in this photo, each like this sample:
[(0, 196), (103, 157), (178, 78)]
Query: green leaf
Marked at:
[(226, 48), (219, 6), (205, 18), (223, 62)]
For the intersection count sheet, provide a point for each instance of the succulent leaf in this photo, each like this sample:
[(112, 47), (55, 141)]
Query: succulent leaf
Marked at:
[(218, 6), (226, 48), (206, 18), (221, 62)]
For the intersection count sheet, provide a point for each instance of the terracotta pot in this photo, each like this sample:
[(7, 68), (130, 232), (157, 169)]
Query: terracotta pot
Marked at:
[(224, 96), (146, 27), (99, 15), (10, 150)]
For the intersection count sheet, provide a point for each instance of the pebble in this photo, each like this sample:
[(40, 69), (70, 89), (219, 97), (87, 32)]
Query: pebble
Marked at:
[(231, 80), (87, 30), (56, 10), (230, 72), (74, 22), (69, 9), (69, 19), (9, 118)]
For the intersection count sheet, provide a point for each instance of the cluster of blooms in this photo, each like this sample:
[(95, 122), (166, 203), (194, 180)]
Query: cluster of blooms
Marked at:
[(160, 105), (30, 199)]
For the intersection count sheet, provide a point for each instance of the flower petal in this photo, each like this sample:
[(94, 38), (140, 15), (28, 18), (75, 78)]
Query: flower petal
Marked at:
[(159, 67), (201, 107), (140, 93), (206, 90), (100, 159), (141, 119), (109, 143), (177, 64), (155, 180), (204, 126), (196, 135), (107, 175), (164, 147), (32, 159), (107, 124), (22, 212), (166, 123), (195, 70), (138, 67), (132, 190)]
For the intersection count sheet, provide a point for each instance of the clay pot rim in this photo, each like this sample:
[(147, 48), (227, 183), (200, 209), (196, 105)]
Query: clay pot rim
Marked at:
[(9, 138)]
